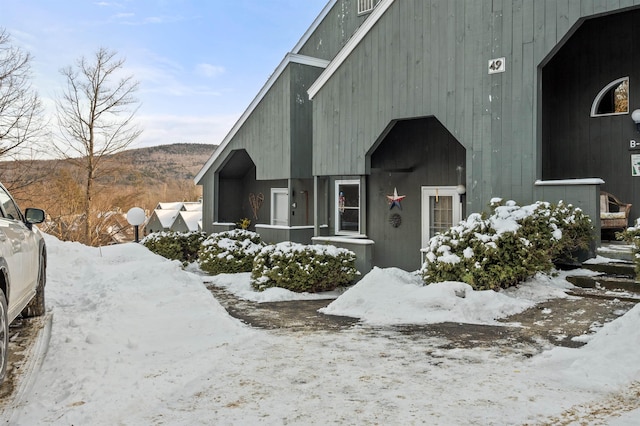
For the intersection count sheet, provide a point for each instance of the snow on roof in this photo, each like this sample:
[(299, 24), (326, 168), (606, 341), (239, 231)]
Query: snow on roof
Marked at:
[(166, 217), (191, 219), (169, 206), (192, 206)]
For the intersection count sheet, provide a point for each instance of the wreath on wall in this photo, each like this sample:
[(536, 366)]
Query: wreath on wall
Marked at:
[(395, 220)]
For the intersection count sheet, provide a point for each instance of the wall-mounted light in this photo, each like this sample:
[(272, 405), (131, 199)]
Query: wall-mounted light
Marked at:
[(635, 116), (460, 189)]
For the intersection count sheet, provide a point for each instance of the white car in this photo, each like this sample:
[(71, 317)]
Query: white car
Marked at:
[(23, 261)]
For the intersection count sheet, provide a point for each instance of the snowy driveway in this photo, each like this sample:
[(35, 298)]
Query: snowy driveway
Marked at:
[(137, 341)]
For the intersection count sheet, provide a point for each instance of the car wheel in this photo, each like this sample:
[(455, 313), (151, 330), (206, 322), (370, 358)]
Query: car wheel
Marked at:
[(36, 306), (4, 336)]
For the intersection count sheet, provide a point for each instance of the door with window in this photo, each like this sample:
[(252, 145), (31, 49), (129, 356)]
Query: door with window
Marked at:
[(280, 206), (347, 207), (441, 210)]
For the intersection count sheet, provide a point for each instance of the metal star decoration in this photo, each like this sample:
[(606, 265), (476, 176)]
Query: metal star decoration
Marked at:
[(395, 199)]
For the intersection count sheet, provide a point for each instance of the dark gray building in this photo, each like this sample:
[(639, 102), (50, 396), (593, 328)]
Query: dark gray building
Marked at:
[(447, 103)]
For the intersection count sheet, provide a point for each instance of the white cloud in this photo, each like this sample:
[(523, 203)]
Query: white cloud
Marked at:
[(209, 70)]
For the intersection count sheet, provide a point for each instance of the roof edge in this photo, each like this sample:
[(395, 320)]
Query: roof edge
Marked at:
[(288, 59), (314, 26), (353, 42)]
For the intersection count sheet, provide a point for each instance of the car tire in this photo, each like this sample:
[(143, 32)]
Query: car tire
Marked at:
[(4, 336), (36, 306)]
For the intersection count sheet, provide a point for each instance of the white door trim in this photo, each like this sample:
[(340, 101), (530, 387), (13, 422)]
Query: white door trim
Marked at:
[(444, 191)]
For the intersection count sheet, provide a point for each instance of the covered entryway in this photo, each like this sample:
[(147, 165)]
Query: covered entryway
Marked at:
[(590, 86), (240, 194), (415, 158)]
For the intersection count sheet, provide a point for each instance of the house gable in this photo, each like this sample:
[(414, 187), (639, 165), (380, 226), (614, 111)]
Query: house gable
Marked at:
[(419, 58)]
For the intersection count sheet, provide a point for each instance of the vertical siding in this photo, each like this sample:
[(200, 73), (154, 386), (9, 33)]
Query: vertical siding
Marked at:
[(429, 58), (302, 76), (334, 31)]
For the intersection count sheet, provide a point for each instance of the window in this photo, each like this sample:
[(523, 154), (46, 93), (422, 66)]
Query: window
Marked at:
[(347, 207), (613, 99), (280, 206), (10, 209), (440, 211), (365, 6)]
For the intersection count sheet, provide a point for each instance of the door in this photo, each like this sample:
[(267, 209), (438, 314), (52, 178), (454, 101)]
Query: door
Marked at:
[(19, 249), (441, 210)]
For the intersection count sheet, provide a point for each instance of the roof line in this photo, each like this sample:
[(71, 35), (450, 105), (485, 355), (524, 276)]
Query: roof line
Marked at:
[(314, 26), (349, 47), (289, 58), (293, 56)]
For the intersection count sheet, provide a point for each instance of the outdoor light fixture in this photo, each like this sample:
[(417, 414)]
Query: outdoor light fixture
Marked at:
[(136, 217), (460, 189), (635, 116)]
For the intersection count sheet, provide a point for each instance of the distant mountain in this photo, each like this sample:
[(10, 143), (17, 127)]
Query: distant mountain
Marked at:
[(150, 166), (165, 162)]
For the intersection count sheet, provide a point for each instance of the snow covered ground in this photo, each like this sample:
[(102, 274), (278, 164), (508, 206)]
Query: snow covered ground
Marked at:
[(135, 340)]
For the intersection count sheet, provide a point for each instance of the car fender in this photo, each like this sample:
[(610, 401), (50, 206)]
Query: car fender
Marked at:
[(4, 284)]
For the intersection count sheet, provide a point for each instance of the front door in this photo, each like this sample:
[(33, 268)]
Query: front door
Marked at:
[(440, 210)]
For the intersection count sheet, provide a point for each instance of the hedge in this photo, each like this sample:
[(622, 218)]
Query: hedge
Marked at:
[(182, 246), (511, 245), (229, 252), (303, 268)]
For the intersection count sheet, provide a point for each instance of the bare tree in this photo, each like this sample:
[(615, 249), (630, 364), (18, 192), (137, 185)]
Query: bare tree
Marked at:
[(20, 107), (95, 115)]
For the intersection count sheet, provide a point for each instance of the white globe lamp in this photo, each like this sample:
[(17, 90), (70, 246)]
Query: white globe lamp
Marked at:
[(136, 217)]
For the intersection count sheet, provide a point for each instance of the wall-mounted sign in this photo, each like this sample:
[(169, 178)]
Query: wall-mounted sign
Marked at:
[(497, 65), (633, 144), (635, 165)]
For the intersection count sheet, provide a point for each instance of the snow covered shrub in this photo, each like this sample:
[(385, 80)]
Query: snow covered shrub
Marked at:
[(631, 235), (511, 245), (182, 246), (303, 268), (229, 252)]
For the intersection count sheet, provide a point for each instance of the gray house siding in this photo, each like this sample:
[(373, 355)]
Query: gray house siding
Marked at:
[(334, 31), (301, 77), (415, 153), (430, 58), (575, 144), (276, 134)]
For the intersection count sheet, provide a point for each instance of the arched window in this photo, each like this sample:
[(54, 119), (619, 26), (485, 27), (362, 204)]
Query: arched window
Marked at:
[(613, 99)]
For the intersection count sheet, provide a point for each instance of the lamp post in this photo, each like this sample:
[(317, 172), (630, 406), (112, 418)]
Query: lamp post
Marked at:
[(136, 217), (635, 116)]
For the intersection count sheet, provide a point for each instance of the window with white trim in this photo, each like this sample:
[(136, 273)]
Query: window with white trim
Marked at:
[(348, 206), (613, 99), (365, 6), (280, 206)]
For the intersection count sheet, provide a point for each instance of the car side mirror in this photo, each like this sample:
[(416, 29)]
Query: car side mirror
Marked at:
[(33, 216)]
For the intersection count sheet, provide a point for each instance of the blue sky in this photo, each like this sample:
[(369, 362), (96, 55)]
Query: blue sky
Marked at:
[(199, 63)]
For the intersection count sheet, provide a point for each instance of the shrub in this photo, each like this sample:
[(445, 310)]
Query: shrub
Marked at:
[(229, 252), (631, 235), (182, 246), (303, 268), (511, 245)]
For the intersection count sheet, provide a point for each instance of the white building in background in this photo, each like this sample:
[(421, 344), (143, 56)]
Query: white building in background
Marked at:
[(175, 216)]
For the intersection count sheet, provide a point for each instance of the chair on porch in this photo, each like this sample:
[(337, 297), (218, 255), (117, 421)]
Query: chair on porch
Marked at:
[(614, 214)]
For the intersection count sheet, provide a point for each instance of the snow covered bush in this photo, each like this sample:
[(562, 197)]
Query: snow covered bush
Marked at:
[(511, 245), (303, 268), (631, 235), (182, 246), (229, 252)]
